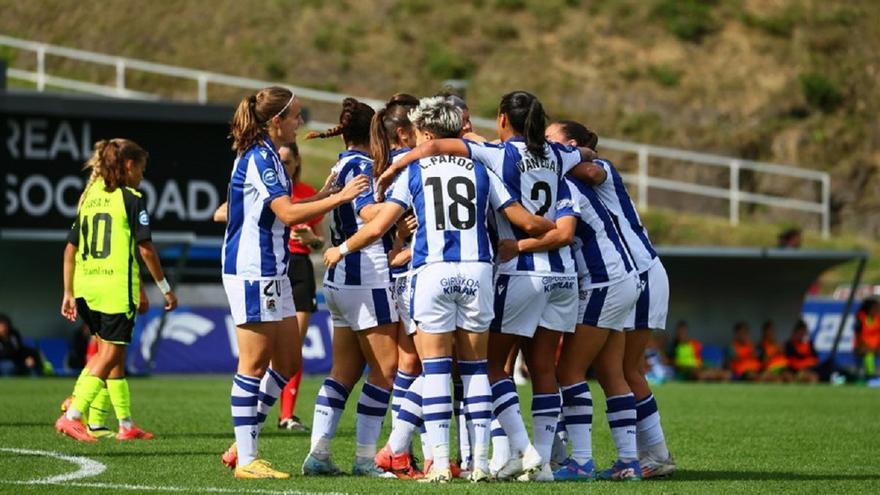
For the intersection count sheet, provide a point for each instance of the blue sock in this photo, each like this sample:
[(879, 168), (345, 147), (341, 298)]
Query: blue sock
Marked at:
[(243, 399)]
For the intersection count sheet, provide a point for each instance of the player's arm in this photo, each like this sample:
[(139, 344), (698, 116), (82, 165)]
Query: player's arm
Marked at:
[(139, 226), (589, 173), (533, 225), (434, 147), (329, 188), (561, 236), (221, 212), (68, 302), (578, 162), (291, 213), (368, 234), (151, 259)]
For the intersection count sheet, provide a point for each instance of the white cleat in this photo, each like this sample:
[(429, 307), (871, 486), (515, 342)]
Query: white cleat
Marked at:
[(542, 474)]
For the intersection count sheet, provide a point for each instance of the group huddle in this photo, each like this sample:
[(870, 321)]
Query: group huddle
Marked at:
[(451, 255)]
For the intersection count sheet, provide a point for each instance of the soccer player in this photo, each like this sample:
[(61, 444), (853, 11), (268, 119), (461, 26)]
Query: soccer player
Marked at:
[(359, 299), (452, 276), (101, 280), (651, 309), (255, 259)]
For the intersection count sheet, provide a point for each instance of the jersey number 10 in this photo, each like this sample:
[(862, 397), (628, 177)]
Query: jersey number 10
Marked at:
[(100, 222), (458, 201)]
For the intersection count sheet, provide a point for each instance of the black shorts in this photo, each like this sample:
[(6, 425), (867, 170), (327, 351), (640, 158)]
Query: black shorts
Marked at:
[(115, 328), (302, 280)]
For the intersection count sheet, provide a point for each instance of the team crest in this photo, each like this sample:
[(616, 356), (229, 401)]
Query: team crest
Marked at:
[(270, 177), (270, 304)]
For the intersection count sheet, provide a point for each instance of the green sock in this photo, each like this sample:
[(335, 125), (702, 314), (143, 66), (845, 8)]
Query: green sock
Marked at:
[(121, 399), (870, 364), (79, 380), (88, 387), (99, 408)]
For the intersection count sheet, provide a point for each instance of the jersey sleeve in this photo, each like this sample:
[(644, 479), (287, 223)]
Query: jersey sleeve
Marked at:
[(138, 218), (399, 192), (73, 235), (367, 197), (270, 185), (490, 155), (567, 201), (499, 196), (569, 155)]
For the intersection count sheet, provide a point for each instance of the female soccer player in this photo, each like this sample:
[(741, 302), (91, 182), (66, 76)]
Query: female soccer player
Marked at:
[(452, 275), (255, 260), (102, 278), (650, 311), (536, 292), (359, 299)]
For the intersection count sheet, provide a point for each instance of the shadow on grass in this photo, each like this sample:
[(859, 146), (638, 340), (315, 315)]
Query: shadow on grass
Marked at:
[(768, 476)]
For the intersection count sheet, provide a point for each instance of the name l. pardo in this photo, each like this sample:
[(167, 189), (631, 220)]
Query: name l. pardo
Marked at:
[(461, 161)]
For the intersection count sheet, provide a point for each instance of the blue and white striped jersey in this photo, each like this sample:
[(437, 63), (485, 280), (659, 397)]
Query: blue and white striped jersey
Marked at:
[(616, 198), (451, 197), (255, 243), (399, 271), (534, 182), (368, 267), (601, 257)]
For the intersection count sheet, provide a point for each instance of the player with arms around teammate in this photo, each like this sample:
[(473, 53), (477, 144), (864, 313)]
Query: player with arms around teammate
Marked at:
[(255, 263), (102, 279), (451, 281)]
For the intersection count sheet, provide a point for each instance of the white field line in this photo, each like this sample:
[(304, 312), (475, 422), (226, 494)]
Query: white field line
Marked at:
[(89, 467)]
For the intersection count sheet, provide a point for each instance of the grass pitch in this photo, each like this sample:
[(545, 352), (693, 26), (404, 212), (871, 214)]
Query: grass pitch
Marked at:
[(726, 439)]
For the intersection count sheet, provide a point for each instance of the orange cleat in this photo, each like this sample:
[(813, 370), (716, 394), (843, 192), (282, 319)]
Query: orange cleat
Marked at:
[(230, 457), (133, 433), (74, 429), (400, 465)]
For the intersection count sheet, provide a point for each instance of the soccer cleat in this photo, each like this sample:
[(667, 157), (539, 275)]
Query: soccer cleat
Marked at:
[(133, 433), (401, 465), (100, 431), (293, 424), (572, 471), (230, 457), (437, 476), (652, 468), (74, 429), (559, 453), (544, 473), (479, 476), (622, 471), (369, 469), (259, 469), (313, 466), (526, 462)]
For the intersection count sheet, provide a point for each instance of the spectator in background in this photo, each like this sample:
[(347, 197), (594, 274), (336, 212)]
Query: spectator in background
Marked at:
[(742, 358), (773, 357), (15, 357), (687, 358), (790, 239), (867, 343), (802, 357), (656, 367)]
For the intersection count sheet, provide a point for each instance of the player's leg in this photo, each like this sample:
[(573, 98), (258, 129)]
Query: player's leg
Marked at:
[(540, 354), (286, 361), (437, 400), (302, 282)]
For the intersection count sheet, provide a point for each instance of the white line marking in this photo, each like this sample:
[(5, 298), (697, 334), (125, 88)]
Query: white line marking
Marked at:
[(87, 467)]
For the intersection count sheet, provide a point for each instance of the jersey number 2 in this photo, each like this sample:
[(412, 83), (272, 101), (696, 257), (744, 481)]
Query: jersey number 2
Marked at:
[(102, 222), (548, 195), (458, 202)]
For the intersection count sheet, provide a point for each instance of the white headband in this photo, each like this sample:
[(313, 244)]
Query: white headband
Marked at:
[(292, 96)]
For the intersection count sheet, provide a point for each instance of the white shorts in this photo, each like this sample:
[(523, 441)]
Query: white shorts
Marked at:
[(653, 304), (525, 302), (450, 295), (359, 308), (400, 291), (254, 301), (608, 306)]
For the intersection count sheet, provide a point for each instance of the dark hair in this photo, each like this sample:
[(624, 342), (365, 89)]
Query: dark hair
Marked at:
[(108, 162), (767, 324), (527, 117), (294, 154), (799, 325), (454, 98), (383, 128), (354, 123), (254, 113), (579, 132), (738, 325), (867, 305)]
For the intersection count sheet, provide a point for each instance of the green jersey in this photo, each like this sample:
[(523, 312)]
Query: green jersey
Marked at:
[(107, 228)]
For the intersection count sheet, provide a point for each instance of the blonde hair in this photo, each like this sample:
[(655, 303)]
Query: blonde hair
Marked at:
[(108, 162)]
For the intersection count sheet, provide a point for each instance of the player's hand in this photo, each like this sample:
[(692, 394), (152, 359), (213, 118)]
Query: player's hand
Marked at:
[(332, 257), (170, 301), (68, 307), (508, 249), (407, 225), (304, 235), (329, 186), (384, 182), (399, 257), (354, 188)]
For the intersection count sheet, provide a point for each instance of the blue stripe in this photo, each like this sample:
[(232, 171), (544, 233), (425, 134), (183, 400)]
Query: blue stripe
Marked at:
[(500, 408), (478, 415), (330, 402), (235, 216), (621, 423), (380, 305), (398, 392), (577, 401), (268, 263), (498, 432), (248, 379), (502, 387), (261, 417), (646, 408), (643, 305), (247, 387), (405, 376), (477, 399), (500, 299), (252, 300), (375, 393), (484, 249), (434, 401), (618, 231), (412, 297), (556, 264), (541, 402), (267, 399), (628, 210), (244, 421), (413, 397), (548, 414), (437, 366), (439, 416), (594, 306), (279, 381), (248, 401), (420, 241), (338, 387), (371, 411), (617, 404), (472, 367), (395, 408), (575, 390), (409, 417), (584, 419), (452, 245)]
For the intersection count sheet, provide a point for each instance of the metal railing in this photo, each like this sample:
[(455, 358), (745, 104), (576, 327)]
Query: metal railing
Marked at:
[(642, 179)]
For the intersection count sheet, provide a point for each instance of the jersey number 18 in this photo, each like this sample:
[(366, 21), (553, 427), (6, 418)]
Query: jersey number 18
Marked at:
[(462, 210)]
